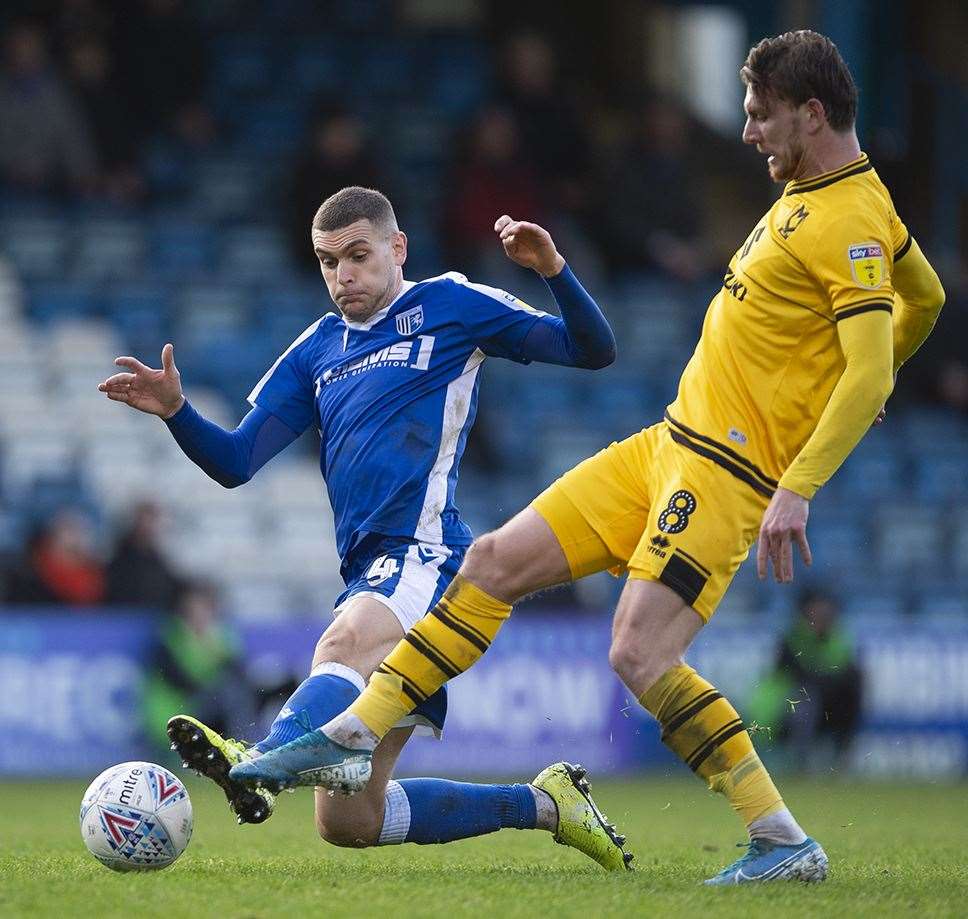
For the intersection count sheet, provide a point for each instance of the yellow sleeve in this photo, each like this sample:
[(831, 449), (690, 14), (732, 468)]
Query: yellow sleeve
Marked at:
[(866, 339), (918, 299), (852, 260)]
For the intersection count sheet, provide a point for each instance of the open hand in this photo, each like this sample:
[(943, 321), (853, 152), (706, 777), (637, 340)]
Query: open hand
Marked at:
[(784, 523), (157, 392), (529, 245)]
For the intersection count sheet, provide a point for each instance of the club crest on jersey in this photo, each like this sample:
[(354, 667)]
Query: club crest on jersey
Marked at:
[(410, 320), (867, 264)]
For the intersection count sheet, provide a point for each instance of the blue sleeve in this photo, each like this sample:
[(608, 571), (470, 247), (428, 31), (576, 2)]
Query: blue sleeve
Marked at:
[(230, 457), (287, 390), (495, 321), (582, 336)]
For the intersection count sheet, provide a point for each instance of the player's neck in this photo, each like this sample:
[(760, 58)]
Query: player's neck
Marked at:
[(830, 153)]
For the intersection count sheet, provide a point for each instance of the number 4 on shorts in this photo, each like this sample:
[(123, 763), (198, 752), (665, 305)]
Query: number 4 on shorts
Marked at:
[(381, 570)]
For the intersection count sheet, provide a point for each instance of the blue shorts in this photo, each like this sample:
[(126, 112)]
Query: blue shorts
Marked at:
[(408, 578)]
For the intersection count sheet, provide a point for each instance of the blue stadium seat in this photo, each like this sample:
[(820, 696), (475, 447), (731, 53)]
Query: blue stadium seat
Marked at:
[(109, 249), (38, 247), (229, 186), (142, 313), (241, 65), (910, 540), (180, 248), (928, 430), (62, 300), (839, 547), (944, 476), (270, 128), (457, 79), (208, 311), (254, 252), (869, 474)]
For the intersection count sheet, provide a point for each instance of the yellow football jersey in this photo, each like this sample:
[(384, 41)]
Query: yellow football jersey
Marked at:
[(769, 355)]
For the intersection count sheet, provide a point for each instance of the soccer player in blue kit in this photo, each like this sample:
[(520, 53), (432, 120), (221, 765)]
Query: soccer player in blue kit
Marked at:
[(390, 380)]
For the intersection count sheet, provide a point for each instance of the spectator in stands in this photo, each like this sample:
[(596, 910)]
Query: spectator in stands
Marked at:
[(815, 690), (655, 223), (547, 112), (493, 175), (45, 142), (59, 565), (96, 85), (139, 573), (164, 66), (335, 155), (197, 667)]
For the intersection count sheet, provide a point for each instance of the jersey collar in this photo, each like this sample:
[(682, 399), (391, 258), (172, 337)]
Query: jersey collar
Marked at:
[(854, 167), (379, 316)]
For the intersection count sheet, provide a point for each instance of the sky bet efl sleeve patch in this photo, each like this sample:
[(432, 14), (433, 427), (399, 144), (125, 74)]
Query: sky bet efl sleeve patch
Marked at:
[(867, 264)]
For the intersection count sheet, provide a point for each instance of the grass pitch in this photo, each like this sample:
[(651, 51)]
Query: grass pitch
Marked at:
[(895, 850)]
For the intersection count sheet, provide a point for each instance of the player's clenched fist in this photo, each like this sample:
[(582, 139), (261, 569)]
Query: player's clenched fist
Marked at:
[(157, 392), (529, 245)]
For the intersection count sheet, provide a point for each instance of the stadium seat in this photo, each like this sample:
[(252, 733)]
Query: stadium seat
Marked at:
[(229, 187), (943, 477), (910, 540), (869, 475), (55, 300), (39, 247), (254, 252), (109, 250), (180, 248)]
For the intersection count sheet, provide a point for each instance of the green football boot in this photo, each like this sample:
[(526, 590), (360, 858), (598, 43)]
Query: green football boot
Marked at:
[(212, 756), (581, 824)]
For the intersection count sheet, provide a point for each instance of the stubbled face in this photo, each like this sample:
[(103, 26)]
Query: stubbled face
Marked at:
[(362, 266), (775, 127)]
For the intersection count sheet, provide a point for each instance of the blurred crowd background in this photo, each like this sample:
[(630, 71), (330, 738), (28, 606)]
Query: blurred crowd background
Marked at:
[(160, 163)]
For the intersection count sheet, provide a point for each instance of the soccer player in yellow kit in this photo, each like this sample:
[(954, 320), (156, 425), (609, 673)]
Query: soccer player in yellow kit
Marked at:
[(820, 306)]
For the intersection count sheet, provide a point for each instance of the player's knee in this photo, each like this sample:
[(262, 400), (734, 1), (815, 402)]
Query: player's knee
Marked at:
[(482, 559), (638, 662), (487, 565), (341, 642), (347, 834)]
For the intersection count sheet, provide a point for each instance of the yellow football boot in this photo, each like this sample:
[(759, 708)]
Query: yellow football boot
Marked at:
[(581, 824), (212, 756)]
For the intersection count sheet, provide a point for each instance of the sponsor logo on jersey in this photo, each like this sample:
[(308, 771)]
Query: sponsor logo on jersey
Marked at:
[(410, 320), (867, 264), (414, 354)]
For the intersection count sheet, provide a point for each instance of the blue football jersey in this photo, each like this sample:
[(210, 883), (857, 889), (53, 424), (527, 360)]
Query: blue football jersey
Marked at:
[(394, 398)]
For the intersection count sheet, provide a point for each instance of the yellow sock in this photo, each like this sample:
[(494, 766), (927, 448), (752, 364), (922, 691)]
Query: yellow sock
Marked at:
[(705, 731), (442, 645)]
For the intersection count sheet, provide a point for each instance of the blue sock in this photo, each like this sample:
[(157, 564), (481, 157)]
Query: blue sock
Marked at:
[(428, 811), (327, 691)]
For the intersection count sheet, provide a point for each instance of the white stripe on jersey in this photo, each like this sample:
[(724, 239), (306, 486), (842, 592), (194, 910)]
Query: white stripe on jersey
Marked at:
[(457, 404), (495, 293), (258, 386)]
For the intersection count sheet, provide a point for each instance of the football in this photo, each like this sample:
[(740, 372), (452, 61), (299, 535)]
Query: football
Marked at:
[(136, 817)]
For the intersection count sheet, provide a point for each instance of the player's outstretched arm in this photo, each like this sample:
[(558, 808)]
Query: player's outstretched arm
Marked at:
[(582, 336), (231, 458)]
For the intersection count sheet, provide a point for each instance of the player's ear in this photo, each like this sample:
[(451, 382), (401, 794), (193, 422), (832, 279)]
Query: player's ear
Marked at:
[(816, 115), (398, 244)]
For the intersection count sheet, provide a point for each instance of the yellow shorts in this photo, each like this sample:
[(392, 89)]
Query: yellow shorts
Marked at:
[(653, 507)]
